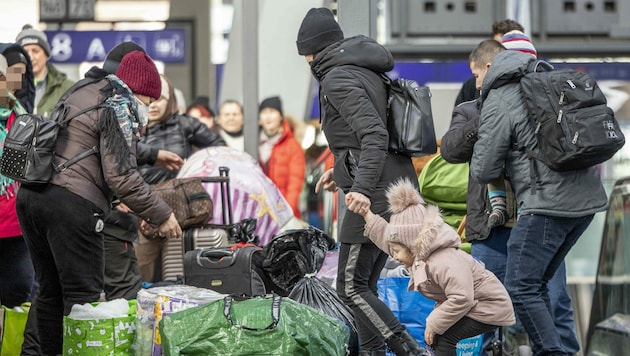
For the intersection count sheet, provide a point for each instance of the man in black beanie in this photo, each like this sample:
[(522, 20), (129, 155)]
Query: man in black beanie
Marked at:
[(353, 113), (113, 58)]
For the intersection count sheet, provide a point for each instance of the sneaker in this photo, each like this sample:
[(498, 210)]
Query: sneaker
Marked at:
[(498, 217)]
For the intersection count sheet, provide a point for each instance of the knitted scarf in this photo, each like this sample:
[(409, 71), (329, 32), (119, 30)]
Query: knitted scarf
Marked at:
[(124, 105)]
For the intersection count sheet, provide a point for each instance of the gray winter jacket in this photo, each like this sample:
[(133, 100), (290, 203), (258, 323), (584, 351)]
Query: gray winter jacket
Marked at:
[(504, 122)]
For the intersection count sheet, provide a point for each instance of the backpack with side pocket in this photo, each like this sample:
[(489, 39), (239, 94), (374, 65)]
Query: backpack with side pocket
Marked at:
[(409, 118), (574, 126), (29, 147)]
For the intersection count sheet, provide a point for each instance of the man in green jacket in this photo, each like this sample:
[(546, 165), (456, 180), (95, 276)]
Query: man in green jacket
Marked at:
[(50, 83)]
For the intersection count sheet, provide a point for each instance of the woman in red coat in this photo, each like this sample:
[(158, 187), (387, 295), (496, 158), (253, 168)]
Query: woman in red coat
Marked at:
[(280, 154)]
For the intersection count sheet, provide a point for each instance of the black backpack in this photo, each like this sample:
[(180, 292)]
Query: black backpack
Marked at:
[(574, 126), (29, 147), (409, 118)]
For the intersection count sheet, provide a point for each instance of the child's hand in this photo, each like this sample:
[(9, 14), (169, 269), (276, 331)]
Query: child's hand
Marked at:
[(428, 336)]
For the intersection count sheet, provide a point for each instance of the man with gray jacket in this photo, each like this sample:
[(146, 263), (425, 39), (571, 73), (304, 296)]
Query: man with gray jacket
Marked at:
[(553, 214)]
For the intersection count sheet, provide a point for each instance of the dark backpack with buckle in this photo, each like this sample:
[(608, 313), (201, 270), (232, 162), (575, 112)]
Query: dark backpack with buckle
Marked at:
[(574, 126)]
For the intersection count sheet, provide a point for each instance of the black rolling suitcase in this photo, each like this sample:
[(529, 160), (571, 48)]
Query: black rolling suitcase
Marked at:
[(207, 236), (225, 270)]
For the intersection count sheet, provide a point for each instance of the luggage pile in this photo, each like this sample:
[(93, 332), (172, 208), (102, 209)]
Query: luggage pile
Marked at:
[(226, 291)]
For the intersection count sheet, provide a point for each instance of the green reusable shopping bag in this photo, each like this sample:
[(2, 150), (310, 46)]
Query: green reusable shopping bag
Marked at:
[(12, 324), (445, 185), (113, 336), (269, 325)]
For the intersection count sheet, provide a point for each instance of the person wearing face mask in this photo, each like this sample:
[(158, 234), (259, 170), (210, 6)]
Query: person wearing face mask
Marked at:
[(281, 156), (171, 131), (66, 240)]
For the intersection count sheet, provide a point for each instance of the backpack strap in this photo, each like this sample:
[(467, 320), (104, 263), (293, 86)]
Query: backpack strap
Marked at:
[(63, 166), (534, 66), (65, 120)]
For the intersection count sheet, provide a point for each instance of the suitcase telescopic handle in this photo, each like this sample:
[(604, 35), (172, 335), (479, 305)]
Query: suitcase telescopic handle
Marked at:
[(275, 313), (216, 254)]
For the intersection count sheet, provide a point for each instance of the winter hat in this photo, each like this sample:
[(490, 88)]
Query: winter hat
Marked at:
[(138, 71), (406, 206), (29, 35), (518, 41), (14, 56), (318, 31), (113, 58), (273, 102), (3, 66)]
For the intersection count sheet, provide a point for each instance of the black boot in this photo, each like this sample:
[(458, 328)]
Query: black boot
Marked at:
[(379, 352), (403, 344)]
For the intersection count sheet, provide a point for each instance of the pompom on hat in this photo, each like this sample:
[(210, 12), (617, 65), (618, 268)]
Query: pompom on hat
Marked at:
[(29, 35), (518, 41), (140, 74), (318, 31), (407, 208)]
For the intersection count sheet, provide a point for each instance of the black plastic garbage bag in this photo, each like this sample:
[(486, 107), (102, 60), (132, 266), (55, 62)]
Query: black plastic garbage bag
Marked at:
[(318, 295), (292, 254), (243, 231)]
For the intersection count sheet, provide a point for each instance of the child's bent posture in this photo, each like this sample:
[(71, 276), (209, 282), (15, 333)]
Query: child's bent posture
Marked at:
[(470, 300)]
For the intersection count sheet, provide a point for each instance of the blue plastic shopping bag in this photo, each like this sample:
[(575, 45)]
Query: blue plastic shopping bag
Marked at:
[(412, 309)]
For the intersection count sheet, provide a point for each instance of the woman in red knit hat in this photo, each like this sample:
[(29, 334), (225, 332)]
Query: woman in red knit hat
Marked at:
[(62, 221)]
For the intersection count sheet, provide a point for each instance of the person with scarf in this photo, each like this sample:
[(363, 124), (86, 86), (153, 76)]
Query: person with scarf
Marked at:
[(16, 268), (62, 221)]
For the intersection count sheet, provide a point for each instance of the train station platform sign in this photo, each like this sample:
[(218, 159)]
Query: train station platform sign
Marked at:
[(168, 46)]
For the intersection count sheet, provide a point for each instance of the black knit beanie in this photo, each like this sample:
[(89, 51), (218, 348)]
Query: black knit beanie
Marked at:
[(273, 102), (115, 56), (318, 31), (14, 56)]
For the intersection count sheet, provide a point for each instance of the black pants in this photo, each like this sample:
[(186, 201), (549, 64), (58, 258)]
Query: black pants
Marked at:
[(359, 268), (62, 231), (122, 275), (446, 344)]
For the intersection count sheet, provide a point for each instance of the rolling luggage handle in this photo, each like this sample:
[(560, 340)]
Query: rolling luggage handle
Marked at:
[(275, 313), (224, 180)]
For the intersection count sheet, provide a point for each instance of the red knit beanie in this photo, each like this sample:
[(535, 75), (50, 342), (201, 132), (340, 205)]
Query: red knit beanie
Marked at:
[(138, 71)]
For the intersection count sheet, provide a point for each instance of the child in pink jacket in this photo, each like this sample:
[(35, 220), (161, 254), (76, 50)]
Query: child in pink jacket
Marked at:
[(470, 300)]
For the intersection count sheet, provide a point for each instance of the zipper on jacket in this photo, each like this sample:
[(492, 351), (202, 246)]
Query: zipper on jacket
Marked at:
[(559, 116)]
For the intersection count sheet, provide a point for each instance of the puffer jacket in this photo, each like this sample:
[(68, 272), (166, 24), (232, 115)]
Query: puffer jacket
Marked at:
[(112, 171), (56, 84), (504, 122), (457, 147), (353, 109), (26, 95), (441, 271), (177, 134), (286, 167)]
